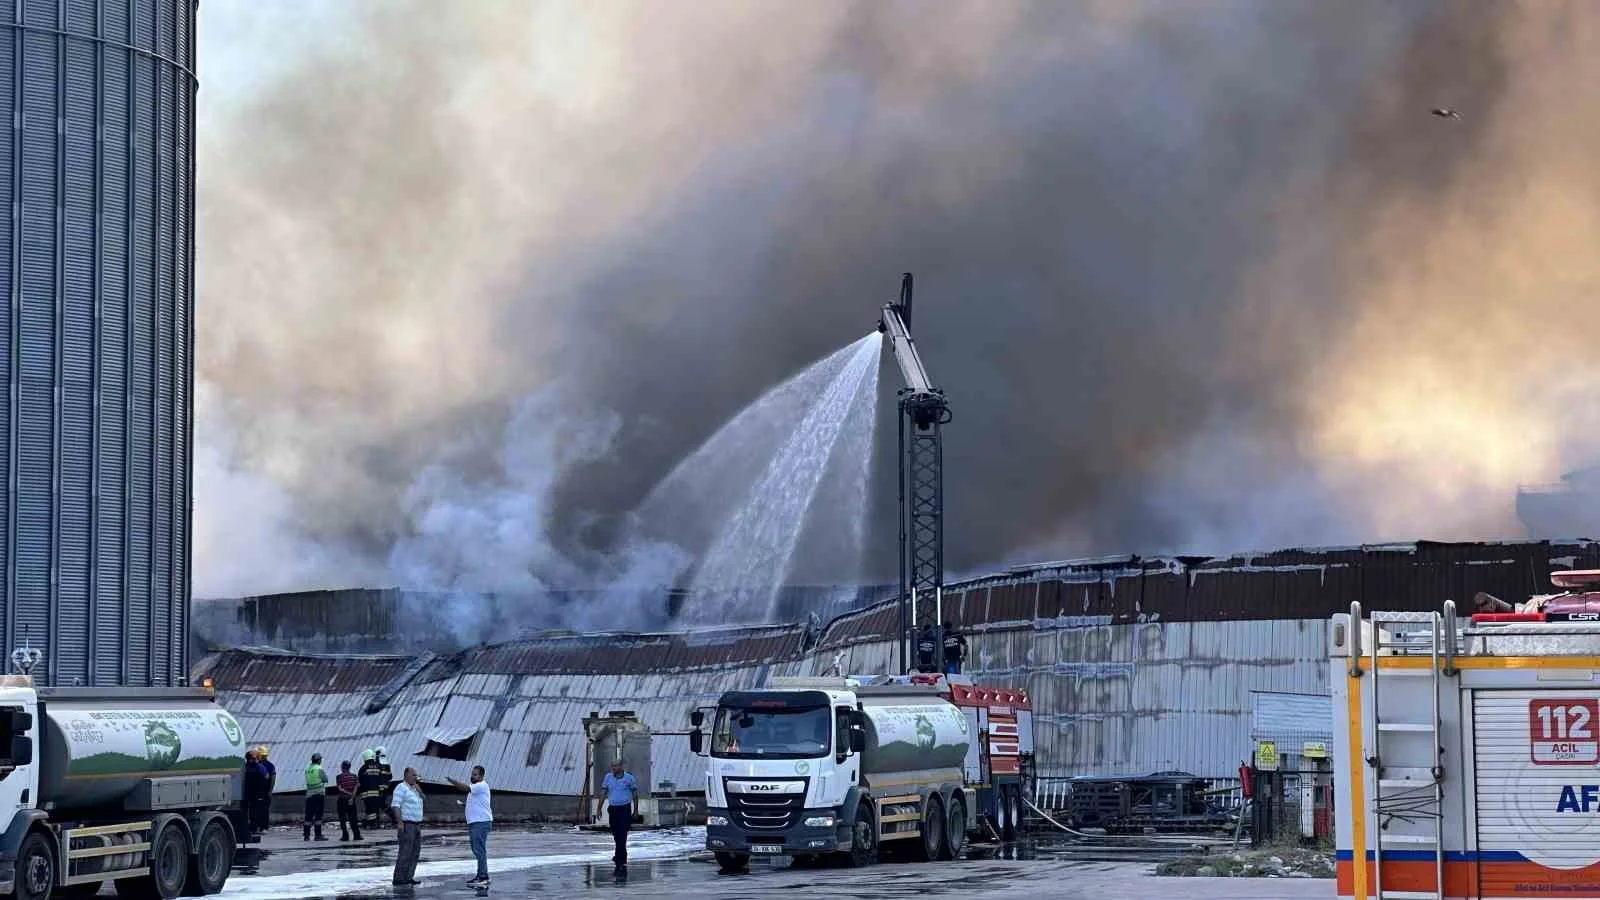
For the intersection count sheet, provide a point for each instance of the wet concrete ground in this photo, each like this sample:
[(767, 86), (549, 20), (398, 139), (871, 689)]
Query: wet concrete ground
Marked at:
[(566, 863)]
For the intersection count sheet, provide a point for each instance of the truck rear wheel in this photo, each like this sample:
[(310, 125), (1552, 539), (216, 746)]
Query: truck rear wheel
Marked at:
[(931, 847), (1008, 814), (955, 839), (211, 861), (169, 866), (36, 868)]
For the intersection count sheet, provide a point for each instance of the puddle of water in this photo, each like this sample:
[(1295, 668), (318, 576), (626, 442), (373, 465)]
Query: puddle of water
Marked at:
[(356, 879)]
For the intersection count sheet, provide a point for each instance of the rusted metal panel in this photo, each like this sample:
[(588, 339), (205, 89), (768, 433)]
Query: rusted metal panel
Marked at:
[(260, 671)]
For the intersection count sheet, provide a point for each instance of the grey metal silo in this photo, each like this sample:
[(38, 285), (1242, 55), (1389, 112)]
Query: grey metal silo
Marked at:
[(97, 170)]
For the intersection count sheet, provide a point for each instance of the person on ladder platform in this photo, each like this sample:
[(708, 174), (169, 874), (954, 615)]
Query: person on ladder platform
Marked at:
[(928, 649), (955, 649)]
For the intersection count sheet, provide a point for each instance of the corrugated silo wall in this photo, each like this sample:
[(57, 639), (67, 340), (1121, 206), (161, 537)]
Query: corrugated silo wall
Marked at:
[(97, 169)]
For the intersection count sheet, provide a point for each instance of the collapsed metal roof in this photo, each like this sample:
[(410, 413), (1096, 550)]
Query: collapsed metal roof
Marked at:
[(1201, 635)]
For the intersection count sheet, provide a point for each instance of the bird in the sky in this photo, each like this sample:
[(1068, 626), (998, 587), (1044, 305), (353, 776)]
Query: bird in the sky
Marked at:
[(1445, 113)]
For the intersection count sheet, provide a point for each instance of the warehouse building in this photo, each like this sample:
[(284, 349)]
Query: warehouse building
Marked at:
[(1134, 665)]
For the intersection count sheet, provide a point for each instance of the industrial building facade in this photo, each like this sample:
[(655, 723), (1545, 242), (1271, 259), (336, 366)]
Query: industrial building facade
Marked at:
[(1134, 666), (97, 262)]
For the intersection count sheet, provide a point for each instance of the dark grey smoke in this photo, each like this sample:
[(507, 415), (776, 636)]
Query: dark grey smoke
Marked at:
[(1142, 236)]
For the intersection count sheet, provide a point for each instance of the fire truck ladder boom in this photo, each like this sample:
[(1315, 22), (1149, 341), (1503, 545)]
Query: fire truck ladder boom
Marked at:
[(1402, 725), (923, 409)]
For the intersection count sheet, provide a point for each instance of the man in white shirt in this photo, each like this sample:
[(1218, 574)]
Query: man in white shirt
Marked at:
[(479, 821), (405, 807)]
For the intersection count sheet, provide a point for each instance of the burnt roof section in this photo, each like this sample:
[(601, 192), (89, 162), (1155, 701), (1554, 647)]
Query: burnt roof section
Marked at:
[(626, 653), (1279, 584), (261, 670)]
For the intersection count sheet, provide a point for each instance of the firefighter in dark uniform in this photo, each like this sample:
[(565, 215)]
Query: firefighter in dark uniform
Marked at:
[(928, 649), (388, 782), (955, 649), (371, 788)]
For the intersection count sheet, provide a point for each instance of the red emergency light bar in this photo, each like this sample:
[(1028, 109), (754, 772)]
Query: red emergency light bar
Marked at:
[(1571, 578)]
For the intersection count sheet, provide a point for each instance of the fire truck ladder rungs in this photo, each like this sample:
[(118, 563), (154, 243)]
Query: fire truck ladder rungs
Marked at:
[(1407, 758)]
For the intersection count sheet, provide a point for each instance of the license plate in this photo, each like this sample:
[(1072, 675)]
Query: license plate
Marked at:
[(766, 848)]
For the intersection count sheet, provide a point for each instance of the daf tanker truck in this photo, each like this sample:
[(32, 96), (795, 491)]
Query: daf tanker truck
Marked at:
[(812, 767), (128, 785)]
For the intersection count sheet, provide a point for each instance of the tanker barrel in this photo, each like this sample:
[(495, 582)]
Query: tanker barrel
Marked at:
[(909, 734), (95, 753)]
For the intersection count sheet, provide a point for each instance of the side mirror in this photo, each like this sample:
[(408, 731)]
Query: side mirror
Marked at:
[(858, 740), (697, 718), (21, 750), (21, 721), (697, 741)]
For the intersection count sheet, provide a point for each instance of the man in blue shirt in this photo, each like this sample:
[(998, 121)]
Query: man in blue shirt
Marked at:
[(621, 789)]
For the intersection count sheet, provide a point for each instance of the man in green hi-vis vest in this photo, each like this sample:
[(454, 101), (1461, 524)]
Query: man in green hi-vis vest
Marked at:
[(316, 796)]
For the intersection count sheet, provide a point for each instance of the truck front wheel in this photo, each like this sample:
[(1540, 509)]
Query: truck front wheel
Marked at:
[(36, 868), (863, 841), (733, 862)]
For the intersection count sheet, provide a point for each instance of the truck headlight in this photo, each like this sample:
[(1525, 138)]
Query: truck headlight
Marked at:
[(819, 822), (717, 821)]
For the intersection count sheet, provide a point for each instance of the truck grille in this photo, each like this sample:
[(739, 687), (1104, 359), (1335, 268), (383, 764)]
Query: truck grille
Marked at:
[(766, 813)]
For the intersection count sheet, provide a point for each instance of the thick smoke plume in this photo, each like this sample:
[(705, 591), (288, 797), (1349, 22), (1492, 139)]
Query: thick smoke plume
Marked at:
[(1195, 276)]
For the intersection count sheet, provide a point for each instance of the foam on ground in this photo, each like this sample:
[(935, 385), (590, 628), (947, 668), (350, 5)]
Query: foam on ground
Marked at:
[(336, 882)]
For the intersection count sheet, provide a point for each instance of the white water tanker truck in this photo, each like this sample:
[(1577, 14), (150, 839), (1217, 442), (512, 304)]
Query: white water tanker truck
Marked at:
[(129, 785), (812, 767)]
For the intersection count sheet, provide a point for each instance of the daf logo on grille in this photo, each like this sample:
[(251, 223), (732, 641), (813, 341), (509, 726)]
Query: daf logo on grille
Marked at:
[(766, 787)]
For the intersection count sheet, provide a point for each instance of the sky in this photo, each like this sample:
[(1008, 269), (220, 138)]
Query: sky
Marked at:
[(1196, 277)]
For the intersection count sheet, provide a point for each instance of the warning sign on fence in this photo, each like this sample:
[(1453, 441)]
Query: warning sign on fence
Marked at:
[(1267, 756)]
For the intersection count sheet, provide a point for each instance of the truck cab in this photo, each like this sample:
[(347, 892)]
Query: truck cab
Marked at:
[(19, 770)]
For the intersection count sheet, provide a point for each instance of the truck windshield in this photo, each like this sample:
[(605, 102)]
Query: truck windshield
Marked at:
[(772, 733)]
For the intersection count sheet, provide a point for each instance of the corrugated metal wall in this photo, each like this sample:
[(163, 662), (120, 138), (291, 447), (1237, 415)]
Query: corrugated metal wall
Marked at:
[(1132, 699), (96, 167), (1108, 699)]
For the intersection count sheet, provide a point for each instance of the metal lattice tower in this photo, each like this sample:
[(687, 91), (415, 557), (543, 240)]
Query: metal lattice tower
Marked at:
[(923, 410)]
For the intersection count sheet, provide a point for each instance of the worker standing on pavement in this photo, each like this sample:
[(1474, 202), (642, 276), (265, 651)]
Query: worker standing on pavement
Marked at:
[(928, 649), (316, 797), (349, 816), (265, 812), (479, 820), (405, 808), (371, 778), (621, 790), (255, 789), (955, 649)]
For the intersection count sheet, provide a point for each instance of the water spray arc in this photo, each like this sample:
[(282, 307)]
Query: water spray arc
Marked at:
[(923, 411)]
